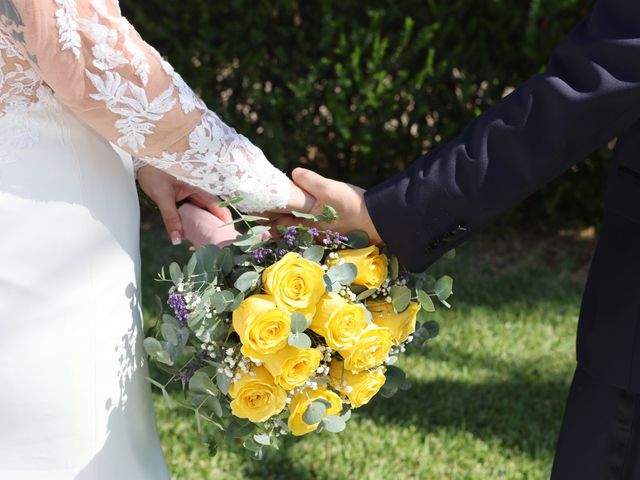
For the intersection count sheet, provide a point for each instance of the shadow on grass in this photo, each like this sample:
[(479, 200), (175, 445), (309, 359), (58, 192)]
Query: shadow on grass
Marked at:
[(521, 412)]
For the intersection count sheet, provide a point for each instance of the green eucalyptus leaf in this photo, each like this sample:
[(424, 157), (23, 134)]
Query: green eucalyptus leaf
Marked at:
[(358, 239), (207, 260), (236, 302), (400, 297), (366, 294), (226, 261), (170, 333), (218, 302), (314, 253), (212, 448), (247, 240), (191, 266), (425, 301), (214, 405), (223, 382), (259, 230), (201, 383), (406, 385), (334, 423), (152, 346), (247, 281), (262, 439), (314, 413), (444, 287), (308, 216), (165, 394), (432, 329), (343, 274), (229, 202), (299, 323), (171, 320), (329, 214), (237, 429), (394, 269), (251, 445), (329, 285), (395, 376), (300, 340), (253, 218), (450, 255), (175, 272)]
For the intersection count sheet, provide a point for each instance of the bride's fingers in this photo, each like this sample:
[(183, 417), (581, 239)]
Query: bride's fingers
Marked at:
[(170, 217)]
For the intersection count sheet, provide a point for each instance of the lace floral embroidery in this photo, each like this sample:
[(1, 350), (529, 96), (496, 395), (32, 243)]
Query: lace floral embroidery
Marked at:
[(18, 81), (66, 15), (100, 6), (217, 155), (105, 55), (138, 58), (130, 102)]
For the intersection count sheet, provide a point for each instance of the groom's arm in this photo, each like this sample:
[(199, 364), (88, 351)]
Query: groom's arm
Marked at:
[(589, 93)]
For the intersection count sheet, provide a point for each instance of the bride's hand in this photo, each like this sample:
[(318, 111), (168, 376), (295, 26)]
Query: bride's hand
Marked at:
[(166, 191)]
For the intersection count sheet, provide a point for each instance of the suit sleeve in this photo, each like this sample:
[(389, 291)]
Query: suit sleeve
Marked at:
[(589, 93)]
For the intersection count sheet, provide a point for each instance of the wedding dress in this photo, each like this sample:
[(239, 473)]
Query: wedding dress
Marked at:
[(75, 76)]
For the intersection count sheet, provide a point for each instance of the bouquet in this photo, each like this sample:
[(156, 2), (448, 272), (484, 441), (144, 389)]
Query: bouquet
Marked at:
[(275, 338)]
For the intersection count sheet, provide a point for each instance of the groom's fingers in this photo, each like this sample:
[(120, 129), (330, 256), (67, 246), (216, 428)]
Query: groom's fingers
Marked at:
[(310, 181)]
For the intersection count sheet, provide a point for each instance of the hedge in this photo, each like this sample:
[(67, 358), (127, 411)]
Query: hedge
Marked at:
[(359, 89)]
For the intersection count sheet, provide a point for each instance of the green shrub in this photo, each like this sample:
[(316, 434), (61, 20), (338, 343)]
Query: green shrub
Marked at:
[(359, 89)]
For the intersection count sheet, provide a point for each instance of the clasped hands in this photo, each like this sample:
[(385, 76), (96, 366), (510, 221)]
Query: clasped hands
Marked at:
[(201, 220)]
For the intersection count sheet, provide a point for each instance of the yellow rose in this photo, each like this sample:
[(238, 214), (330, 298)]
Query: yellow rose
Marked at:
[(301, 401), (295, 282), (263, 327), (256, 397), (372, 267), (339, 322), (370, 350), (291, 366), (358, 387), (401, 325)]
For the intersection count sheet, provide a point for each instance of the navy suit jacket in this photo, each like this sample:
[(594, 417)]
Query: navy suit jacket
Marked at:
[(589, 94)]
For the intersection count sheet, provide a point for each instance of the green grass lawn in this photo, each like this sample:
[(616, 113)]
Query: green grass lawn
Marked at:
[(487, 396)]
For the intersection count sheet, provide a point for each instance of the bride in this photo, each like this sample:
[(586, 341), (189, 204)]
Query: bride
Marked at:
[(75, 76)]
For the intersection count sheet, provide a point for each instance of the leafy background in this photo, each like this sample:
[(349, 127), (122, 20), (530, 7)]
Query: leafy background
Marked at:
[(358, 90)]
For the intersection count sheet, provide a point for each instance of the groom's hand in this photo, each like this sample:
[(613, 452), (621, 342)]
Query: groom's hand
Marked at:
[(348, 200), (166, 191)]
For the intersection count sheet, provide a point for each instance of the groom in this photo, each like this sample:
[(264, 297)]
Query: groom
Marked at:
[(589, 94)]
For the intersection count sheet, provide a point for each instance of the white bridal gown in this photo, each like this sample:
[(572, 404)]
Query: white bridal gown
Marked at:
[(74, 76)]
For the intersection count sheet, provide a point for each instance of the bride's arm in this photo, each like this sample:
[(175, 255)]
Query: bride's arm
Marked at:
[(100, 68)]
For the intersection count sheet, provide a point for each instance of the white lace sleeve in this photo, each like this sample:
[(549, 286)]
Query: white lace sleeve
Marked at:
[(98, 66)]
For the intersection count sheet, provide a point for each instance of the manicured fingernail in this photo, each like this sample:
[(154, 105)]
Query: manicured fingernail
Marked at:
[(176, 238)]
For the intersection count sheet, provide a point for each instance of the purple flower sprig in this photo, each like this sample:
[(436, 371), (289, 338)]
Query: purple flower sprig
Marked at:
[(334, 239), (179, 307), (263, 256)]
